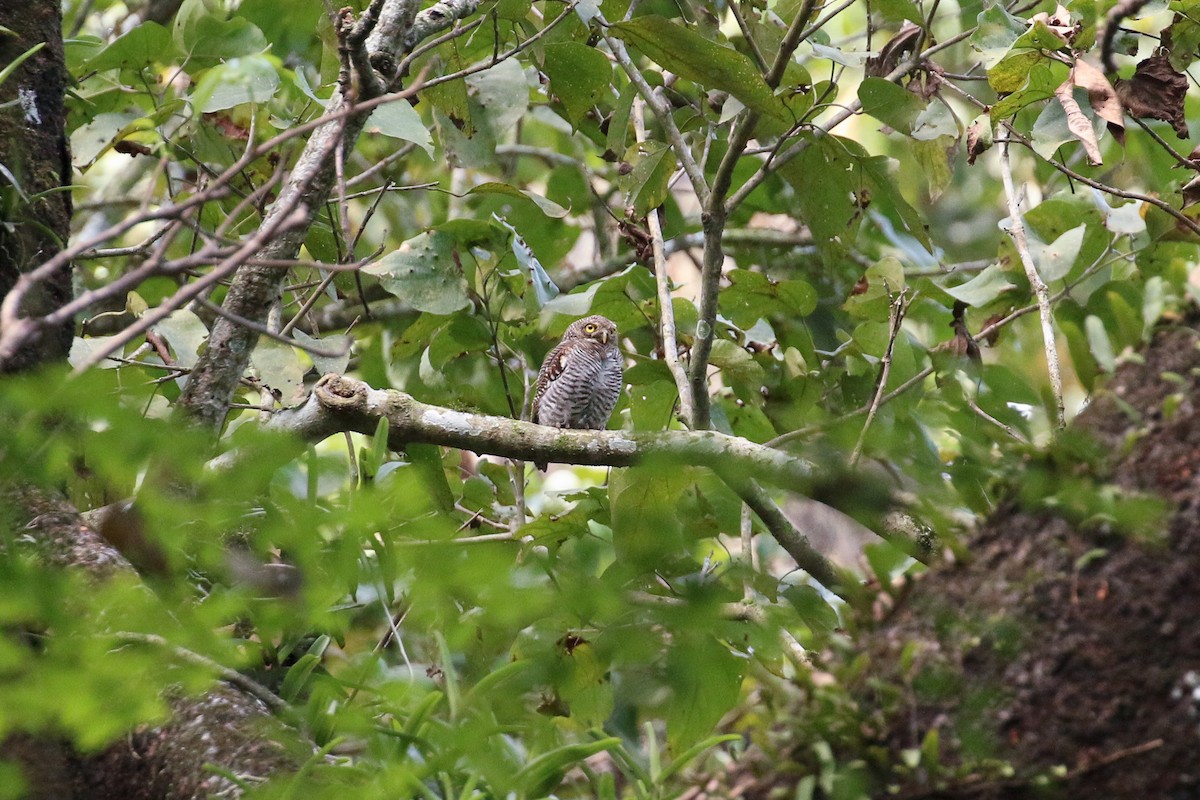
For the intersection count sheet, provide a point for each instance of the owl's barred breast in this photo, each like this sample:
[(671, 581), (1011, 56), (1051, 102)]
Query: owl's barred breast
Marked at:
[(580, 381)]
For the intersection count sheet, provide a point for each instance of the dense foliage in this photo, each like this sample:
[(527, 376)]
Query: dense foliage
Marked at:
[(828, 193)]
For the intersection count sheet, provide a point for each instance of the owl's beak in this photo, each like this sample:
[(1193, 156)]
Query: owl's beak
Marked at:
[(603, 337)]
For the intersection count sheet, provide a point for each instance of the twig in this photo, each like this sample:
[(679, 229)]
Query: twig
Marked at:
[(496, 58), (192, 290), (661, 112), (1040, 291), (986, 417), (896, 310), (247, 684), (278, 336), (666, 311), (746, 534), (794, 542), (716, 212), (1079, 177)]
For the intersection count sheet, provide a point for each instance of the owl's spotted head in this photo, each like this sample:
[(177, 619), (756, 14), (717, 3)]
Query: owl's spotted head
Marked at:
[(602, 329)]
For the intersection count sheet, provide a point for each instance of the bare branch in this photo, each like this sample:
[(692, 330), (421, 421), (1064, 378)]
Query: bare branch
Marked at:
[(1040, 291), (666, 311), (339, 403)]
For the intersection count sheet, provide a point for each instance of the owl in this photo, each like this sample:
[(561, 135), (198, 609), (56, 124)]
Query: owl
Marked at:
[(580, 380)]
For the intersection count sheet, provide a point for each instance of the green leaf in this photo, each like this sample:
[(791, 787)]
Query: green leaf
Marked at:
[(890, 103), (545, 205), (1099, 343), (515, 10), (1039, 36), (203, 33), (983, 288), (148, 43), (752, 296), (186, 333), (401, 121), (239, 80), (616, 297), (686, 757), (586, 688), (1122, 220), (1013, 72), (896, 11), (618, 124), (329, 344), (544, 287), (739, 367), (423, 272), (825, 186), (706, 679), (647, 185), (1039, 86), (501, 94), (1154, 301), (936, 122), (646, 529), (813, 608), (543, 773), (378, 451), (1054, 260), (995, 34), (579, 76), (887, 561), (278, 366), (935, 158), (299, 673), (651, 405), (690, 55), (881, 173)]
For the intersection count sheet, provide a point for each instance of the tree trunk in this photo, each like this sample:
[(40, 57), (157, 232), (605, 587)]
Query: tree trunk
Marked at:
[(35, 211)]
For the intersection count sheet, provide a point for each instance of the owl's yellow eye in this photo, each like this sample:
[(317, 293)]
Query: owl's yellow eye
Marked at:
[(590, 327)]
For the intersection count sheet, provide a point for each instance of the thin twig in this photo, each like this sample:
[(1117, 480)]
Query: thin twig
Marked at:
[(1040, 291), (666, 311), (278, 336), (247, 684), (661, 111), (896, 310), (192, 290)]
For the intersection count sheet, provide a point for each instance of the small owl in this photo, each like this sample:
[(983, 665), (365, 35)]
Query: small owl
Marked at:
[(580, 380)]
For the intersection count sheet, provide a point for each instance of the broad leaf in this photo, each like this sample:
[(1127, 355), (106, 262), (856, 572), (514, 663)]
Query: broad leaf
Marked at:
[(423, 273)]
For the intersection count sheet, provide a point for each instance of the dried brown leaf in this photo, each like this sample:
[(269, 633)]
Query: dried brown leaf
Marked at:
[(1191, 192), (1156, 91), (905, 41), (979, 138), (1102, 96), (1078, 122), (1059, 22)]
